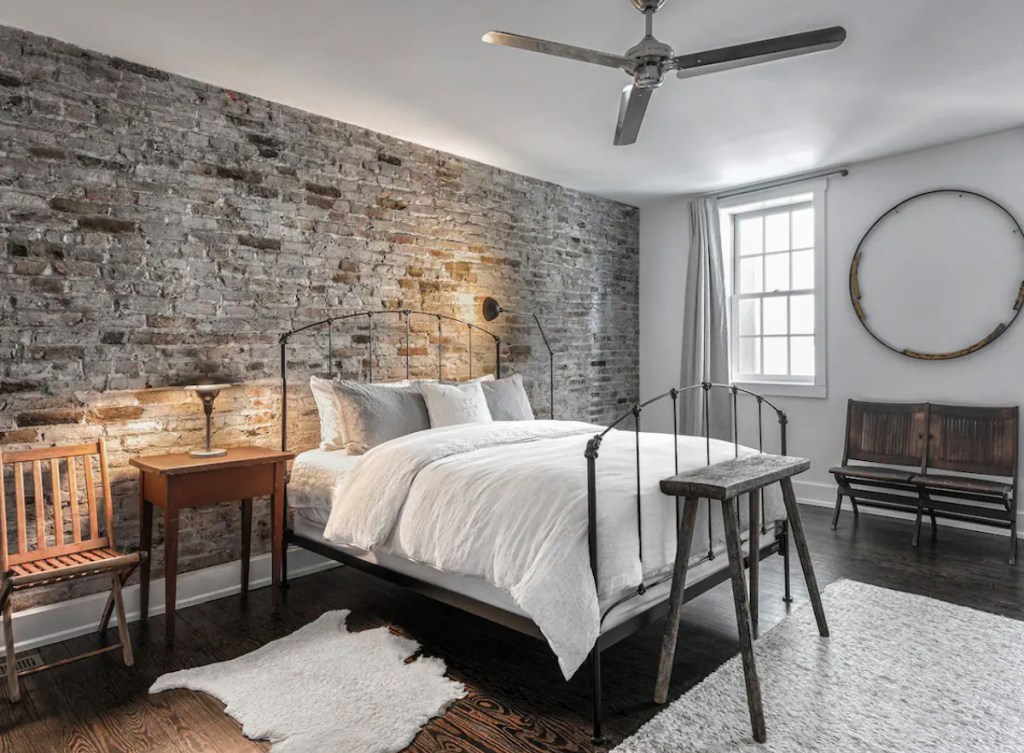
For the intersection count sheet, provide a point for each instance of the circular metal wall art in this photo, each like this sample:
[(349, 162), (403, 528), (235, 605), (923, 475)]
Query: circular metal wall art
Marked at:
[(922, 233)]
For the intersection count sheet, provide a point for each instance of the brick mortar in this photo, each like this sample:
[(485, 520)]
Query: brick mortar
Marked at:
[(156, 229)]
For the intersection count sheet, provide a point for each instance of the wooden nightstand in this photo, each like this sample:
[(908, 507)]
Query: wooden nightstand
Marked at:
[(176, 481)]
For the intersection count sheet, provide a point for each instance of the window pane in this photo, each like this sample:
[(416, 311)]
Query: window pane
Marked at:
[(801, 315), (751, 275), (750, 355), (776, 356), (775, 317), (776, 232), (750, 317), (802, 356), (803, 228), (803, 270), (750, 236), (776, 272)]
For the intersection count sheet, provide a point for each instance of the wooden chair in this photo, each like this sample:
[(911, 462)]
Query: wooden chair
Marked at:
[(41, 526)]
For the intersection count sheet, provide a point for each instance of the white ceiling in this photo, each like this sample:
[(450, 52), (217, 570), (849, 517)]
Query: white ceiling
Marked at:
[(912, 73)]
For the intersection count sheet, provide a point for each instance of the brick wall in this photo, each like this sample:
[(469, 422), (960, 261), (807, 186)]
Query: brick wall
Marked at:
[(154, 230)]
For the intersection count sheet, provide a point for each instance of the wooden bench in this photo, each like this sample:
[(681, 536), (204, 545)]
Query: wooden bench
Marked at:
[(951, 461), (727, 482)]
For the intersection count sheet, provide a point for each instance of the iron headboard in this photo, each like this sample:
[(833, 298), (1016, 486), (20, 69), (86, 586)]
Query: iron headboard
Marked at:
[(407, 314)]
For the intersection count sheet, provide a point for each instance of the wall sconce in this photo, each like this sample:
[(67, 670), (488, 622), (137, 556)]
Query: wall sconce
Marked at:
[(492, 310), (207, 393)]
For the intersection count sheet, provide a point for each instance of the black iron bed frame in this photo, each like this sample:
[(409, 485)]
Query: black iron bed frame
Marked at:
[(519, 623)]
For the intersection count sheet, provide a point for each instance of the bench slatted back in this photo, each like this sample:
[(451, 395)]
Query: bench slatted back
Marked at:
[(890, 433), (970, 439), (63, 515)]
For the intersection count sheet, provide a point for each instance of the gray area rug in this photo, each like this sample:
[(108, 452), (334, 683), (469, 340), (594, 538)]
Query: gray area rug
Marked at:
[(323, 689), (900, 674)]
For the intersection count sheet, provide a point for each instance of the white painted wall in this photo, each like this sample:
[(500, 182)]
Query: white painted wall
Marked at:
[(858, 367), (664, 247)]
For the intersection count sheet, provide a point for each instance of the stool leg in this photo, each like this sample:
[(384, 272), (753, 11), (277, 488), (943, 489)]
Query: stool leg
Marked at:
[(796, 529), (684, 543), (739, 597), (753, 524)]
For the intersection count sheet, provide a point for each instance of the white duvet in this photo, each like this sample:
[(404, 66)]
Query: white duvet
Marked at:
[(507, 502)]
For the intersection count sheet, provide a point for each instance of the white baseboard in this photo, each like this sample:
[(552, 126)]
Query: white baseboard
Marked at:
[(51, 623), (824, 495)]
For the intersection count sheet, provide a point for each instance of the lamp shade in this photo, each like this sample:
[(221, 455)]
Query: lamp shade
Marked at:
[(491, 309)]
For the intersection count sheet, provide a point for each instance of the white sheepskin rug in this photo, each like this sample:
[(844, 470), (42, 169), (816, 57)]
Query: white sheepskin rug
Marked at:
[(323, 689), (900, 674)]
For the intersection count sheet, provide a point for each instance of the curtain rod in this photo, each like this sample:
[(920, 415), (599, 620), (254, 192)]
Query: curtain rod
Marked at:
[(765, 185)]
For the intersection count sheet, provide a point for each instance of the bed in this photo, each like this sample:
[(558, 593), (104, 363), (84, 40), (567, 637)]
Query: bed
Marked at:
[(520, 522)]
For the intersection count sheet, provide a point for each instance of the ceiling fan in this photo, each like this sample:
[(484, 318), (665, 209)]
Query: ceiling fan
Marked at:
[(650, 60)]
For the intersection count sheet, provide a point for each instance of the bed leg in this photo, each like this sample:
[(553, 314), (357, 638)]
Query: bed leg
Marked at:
[(595, 664), (788, 598)]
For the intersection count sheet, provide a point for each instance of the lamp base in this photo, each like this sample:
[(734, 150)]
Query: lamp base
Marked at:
[(214, 453)]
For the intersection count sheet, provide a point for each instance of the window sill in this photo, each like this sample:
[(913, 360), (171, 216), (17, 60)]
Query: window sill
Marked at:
[(784, 389)]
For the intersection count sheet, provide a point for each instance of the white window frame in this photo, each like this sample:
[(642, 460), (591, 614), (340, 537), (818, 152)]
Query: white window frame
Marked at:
[(807, 192)]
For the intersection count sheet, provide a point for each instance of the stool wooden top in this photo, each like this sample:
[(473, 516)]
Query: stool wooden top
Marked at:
[(731, 478)]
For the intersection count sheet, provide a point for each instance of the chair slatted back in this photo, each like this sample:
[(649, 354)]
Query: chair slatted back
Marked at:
[(50, 522), (892, 433), (970, 439)]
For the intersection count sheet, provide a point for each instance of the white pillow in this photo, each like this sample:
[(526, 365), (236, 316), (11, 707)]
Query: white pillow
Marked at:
[(332, 436), (450, 404), (332, 425), (507, 399)]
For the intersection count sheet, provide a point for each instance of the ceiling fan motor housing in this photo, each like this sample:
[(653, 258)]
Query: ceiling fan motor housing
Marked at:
[(650, 60), (644, 5)]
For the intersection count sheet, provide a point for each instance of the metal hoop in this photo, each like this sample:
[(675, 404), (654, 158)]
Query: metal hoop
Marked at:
[(858, 307)]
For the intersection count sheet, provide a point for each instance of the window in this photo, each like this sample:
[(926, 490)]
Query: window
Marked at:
[(774, 256)]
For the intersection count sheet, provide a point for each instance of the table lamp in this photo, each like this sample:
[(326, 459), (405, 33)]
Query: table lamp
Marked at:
[(207, 393)]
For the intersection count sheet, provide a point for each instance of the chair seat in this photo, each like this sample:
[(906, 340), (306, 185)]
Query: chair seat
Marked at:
[(873, 473), (66, 566), (942, 482)]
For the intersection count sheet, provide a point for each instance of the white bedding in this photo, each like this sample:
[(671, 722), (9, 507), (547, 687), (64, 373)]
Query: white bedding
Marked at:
[(314, 476), (506, 502)]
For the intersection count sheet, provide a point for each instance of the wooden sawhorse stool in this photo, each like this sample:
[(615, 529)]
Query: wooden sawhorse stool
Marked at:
[(726, 482)]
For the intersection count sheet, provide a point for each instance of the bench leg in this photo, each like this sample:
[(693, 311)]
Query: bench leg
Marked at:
[(796, 528), (917, 526), (1013, 530), (753, 524), (739, 598), (684, 543), (839, 508)]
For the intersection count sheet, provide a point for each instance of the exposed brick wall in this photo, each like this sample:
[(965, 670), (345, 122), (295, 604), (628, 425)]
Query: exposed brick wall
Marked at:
[(155, 229)]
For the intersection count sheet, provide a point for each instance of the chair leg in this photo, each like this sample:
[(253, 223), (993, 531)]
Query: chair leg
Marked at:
[(108, 608), (839, 508), (12, 666), (917, 527), (122, 621)]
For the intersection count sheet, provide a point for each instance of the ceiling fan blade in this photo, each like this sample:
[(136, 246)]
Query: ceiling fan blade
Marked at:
[(763, 51), (554, 48), (632, 107)]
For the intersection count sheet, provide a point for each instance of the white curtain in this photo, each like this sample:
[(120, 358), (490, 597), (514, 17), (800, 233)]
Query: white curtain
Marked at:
[(705, 335)]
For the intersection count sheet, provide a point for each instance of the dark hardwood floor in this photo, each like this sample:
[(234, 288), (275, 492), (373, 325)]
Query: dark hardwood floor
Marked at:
[(517, 699)]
